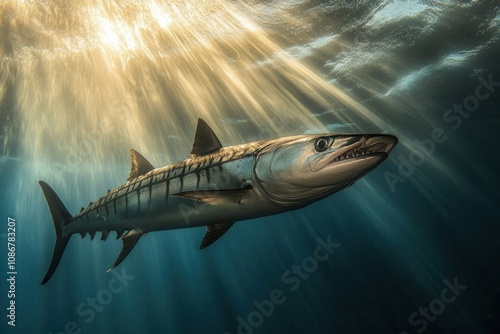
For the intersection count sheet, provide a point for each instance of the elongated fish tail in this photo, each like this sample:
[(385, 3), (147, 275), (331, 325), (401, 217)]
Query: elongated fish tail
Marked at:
[(60, 216)]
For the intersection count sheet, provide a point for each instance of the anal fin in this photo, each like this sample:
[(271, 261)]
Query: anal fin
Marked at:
[(214, 232), (129, 241)]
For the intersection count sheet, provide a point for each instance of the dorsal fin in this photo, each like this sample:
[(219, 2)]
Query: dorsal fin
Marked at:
[(129, 241), (140, 165), (205, 140), (214, 232)]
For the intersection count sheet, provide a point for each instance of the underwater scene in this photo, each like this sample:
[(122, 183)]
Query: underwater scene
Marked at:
[(243, 166)]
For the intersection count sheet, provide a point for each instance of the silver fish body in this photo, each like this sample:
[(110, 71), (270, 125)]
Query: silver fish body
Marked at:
[(218, 186)]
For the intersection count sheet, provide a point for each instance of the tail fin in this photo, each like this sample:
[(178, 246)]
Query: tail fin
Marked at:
[(60, 215)]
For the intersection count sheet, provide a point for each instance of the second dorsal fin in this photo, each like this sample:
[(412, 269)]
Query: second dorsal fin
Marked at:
[(205, 140), (140, 165)]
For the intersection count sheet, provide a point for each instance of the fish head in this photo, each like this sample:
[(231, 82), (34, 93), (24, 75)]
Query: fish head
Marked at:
[(299, 170)]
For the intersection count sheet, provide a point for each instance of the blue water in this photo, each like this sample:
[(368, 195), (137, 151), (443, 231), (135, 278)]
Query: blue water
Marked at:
[(401, 236)]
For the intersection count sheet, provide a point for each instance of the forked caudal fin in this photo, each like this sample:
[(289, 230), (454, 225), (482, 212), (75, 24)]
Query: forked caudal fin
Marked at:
[(60, 216)]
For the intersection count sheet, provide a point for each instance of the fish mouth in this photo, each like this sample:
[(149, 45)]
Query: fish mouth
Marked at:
[(364, 147)]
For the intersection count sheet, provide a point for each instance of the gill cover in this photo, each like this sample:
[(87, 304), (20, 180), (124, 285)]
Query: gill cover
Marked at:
[(286, 171)]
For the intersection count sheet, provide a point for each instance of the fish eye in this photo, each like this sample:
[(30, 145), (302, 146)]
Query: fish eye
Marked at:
[(321, 144)]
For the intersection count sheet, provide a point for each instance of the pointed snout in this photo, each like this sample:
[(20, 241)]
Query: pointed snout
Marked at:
[(378, 143), (351, 148)]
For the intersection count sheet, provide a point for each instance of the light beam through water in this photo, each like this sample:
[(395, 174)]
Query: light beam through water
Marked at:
[(99, 78)]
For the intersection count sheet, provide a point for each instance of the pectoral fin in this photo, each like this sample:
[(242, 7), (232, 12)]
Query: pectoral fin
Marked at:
[(214, 232), (129, 241), (217, 196)]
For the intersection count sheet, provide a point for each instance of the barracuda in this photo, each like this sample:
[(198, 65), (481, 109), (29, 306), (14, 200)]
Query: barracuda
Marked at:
[(221, 184)]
